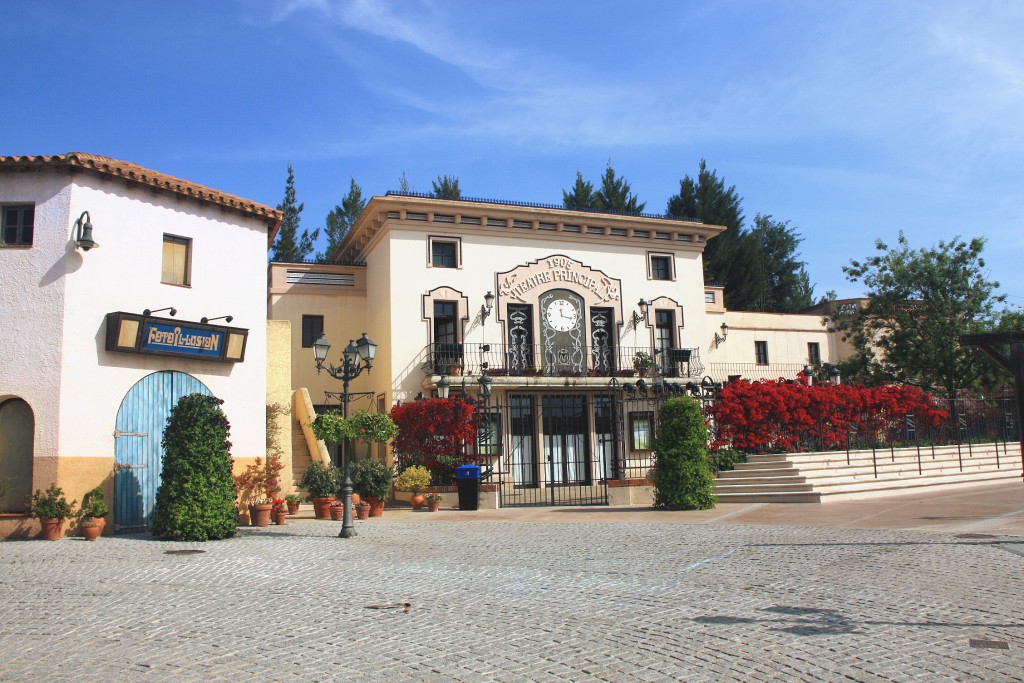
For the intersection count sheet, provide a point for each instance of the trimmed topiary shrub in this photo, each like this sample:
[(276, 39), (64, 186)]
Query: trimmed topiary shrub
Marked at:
[(196, 498), (683, 475)]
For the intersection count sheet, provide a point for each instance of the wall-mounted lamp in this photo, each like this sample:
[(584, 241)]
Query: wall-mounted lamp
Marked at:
[(721, 338), (172, 309), (225, 318), (645, 309), (83, 233), (488, 306), (443, 386)]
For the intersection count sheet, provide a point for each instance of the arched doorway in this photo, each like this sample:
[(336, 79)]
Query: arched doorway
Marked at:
[(17, 432), (138, 433)]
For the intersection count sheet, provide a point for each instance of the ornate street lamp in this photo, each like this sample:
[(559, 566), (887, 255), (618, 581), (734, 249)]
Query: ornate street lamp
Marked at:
[(358, 356)]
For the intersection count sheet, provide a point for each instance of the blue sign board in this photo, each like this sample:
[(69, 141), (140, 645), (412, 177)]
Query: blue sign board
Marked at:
[(179, 339)]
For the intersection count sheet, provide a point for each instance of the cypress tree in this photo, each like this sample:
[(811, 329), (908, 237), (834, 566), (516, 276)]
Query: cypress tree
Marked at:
[(683, 476), (196, 497), (289, 245)]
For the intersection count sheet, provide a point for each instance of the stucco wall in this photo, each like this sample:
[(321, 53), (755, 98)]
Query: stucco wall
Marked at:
[(228, 278), (32, 301)]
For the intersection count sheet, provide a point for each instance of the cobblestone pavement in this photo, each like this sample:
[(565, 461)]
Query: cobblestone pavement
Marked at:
[(517, 600)]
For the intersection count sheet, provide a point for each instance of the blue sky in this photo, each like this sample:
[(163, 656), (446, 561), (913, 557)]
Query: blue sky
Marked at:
[(850, 120)]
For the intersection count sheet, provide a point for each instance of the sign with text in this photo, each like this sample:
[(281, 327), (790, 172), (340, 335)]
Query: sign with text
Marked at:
[(132, 333)]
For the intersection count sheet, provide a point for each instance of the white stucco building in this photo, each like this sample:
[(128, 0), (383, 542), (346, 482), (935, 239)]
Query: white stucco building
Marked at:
[(91, 356)]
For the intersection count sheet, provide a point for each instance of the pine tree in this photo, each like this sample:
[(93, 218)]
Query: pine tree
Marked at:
[(581, 197), (289, 245), (447, 187), (729, 258), (341, 219), (404, 185), (786, 287), (615, 194)]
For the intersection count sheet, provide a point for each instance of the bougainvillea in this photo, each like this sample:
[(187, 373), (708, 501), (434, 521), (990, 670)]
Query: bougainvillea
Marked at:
[(434, 433), (778, 416)]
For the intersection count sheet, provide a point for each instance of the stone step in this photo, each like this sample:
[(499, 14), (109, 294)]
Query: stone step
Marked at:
[(762, 488), (739, 474), (735, 478), (773, 497)]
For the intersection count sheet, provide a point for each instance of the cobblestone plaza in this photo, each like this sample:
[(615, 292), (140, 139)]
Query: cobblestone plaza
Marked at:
[(581, 595)]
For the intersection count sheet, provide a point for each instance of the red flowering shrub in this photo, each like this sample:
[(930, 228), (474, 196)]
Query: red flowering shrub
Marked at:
[(775, 416), (433, 433)]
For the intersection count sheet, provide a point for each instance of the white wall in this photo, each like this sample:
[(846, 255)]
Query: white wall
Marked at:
[(123, 274), (32, 301)]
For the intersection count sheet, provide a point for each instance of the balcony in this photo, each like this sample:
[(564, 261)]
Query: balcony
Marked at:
[(537, 360)]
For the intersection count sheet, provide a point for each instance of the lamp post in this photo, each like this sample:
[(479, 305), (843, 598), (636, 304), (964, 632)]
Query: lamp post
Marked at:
[(358, 356)]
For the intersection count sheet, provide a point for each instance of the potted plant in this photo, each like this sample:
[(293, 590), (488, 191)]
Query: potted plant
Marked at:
[(372, 479), (51, 509), (643, 363), (94, 507), (363, 510), (414, 479), (322, 482), (433, 501), (278, 512), (256, 487), (91, 529), (337, 509), (292, 500)]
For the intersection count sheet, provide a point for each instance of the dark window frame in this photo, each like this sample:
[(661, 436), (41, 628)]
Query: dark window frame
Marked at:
[(23, 231), (312, 331), (761, 352), (665, 268), (637, 418), (814, 353), (436, 245)]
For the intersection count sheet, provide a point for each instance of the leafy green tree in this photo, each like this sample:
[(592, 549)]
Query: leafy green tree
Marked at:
[(341, 219), (290, 246), (729, 259), (615, 194), (786, 286), (196, 497), (582, 196), (683, 475), (447, 187), (919, 303)]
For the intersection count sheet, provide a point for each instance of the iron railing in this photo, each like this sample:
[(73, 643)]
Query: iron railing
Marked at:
[(525, 360), (752, 372)]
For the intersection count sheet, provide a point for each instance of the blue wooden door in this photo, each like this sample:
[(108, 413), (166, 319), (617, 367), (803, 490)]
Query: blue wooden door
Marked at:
[(138, 433)]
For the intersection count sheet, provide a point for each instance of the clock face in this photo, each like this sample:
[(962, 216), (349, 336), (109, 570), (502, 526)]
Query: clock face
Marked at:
[(561, 315)]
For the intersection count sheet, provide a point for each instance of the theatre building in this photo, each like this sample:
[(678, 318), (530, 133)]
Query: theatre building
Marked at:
[(123, 290), (569, 328)]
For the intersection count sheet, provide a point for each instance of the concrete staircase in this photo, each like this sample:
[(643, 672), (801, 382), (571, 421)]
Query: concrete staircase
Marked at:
[(834, 475)]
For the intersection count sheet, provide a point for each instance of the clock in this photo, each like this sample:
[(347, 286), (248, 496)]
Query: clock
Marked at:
[(561, 315)]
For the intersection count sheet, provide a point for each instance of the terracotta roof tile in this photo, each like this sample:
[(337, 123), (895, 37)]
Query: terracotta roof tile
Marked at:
[(143, 176)]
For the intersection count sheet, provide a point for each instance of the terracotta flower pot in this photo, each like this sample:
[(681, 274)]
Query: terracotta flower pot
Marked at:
[(259, 515), (356, 498), (293, 507), (363, 510), (338, 513), (433, 505), (416, 500), (53, 529), (91, 533), (322, 507), (280, 516), (101, 522), (376, 506)]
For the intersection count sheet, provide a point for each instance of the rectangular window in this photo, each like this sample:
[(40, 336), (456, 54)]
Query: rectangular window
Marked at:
[(761, 352), (813, 353), (661, 266), (177, 261), (641, 429), (447, 350), (488, 433), (17, 224), (709, 297), (312, 328), (444, 253)]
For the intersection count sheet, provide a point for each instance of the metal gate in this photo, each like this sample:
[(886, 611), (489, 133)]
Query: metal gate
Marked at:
[(554, 449), (138, 432)]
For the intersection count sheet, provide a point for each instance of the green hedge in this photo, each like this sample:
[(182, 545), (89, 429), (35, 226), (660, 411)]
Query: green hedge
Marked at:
[(683, 475)]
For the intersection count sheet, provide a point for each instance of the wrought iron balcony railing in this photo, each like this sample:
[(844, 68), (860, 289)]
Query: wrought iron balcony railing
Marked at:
[(527, 360)]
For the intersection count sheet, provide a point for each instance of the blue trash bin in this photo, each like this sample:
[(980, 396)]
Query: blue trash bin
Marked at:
[(467, 477)]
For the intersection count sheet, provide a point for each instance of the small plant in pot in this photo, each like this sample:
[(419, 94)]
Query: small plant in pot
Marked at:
[(414, 479), (94, 508), (292, 500), (51, 509), (372, 479), (90, 529), (278, 512), (643, 363), (433, 501), (322, 482)]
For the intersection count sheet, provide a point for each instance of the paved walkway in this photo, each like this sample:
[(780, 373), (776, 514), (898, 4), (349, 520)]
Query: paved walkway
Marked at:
[(914, 588)]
